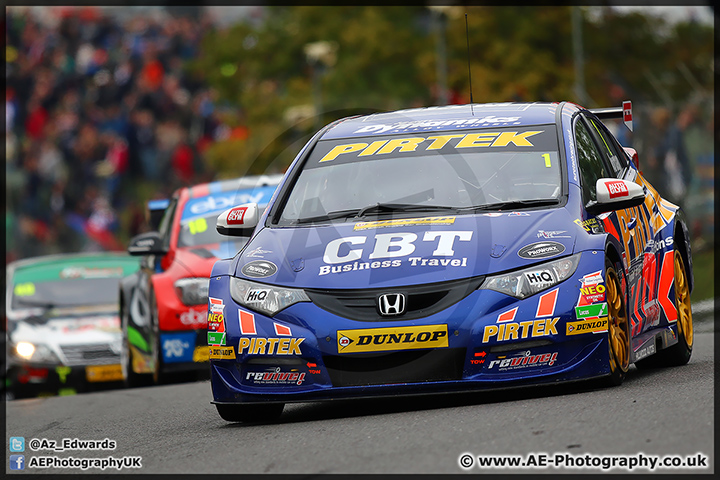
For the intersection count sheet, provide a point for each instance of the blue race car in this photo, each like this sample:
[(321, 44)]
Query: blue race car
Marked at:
[(449, 249)]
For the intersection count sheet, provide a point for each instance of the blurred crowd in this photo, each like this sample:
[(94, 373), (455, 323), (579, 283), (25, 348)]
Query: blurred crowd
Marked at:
[(95, 106), (99, 105)]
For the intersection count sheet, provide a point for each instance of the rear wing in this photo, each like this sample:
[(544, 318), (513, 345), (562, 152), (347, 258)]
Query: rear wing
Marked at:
[(624, 112)]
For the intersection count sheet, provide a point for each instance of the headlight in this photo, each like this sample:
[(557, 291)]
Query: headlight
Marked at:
[(39, 353), (192, 291), (267, 299), (529, 281)]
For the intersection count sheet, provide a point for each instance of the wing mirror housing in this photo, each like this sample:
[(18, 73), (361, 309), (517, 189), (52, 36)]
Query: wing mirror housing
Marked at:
[(239, 221), (613, 194), (149, 243)]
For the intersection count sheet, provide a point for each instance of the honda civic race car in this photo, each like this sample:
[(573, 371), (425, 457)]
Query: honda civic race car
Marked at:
[(63, 330), (163, 305), (448, 249)]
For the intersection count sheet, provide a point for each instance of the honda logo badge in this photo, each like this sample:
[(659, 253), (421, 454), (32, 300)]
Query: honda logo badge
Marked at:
[(391, 304)]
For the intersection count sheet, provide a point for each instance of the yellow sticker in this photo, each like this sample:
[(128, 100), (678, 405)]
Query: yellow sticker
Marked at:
[(392, 338), (403, 222), (198, 225), (595, 325), (227, 353), (546, 156), (24, 289), (202, 354)]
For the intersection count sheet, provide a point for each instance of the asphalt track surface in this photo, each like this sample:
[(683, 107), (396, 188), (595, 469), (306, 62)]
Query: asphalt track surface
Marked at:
[(175, 429)]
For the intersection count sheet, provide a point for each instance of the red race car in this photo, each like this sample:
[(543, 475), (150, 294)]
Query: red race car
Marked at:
[(163, 307)]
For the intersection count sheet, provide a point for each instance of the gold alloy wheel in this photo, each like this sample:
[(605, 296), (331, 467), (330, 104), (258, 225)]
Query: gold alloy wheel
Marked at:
[(682, 301), (618, 325)]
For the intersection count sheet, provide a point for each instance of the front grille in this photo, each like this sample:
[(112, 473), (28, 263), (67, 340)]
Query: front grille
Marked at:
[(422, 300), (100, 354), (441, 364)]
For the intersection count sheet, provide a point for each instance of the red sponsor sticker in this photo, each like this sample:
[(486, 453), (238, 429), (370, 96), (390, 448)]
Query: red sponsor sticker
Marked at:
[(235, 216), (627, 111), (617, 189)]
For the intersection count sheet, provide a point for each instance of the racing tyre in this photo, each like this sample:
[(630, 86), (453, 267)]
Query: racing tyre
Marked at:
[(618, 327), (679, 354), (250, 413), (131, 379)]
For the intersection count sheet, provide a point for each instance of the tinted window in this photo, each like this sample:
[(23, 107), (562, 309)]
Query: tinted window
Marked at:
[(590, 162), (609, 147), (433, 169)]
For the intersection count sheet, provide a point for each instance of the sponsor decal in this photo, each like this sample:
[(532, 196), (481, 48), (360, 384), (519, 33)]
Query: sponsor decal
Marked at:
[(518, 214), (508, 316), (552, 234), (645, 352), (434, 142), (313, 368), (236, 215), (193, 317), (573, 160), (403, 222), (546, 304), (282, 330), (89, 272), (617, 188), (523, 360), (541, 250), (216, 334), (417, 125), (247, 323), (275, 376), (259, 269), (201, 354), (223, 200), (591, 311), (592, 290), (256, 295), (596, 325), (492, 214), (103, 373), (520, 330), (220, 353), (590, 225), (177, 347), (539, 278), (391, 246), (257, 252), (269, 346), (392, 338), (478, 358)]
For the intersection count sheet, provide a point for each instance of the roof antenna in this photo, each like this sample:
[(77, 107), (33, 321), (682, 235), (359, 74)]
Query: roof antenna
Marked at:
[(467, 37)]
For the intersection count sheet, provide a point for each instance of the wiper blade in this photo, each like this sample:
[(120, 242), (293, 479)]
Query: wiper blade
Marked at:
[(514, 204), (329, 216), (36, 303), (403, 207)]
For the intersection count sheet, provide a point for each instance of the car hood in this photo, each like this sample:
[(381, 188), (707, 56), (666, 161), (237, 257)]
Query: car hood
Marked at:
[(407, 251), (70, 330)]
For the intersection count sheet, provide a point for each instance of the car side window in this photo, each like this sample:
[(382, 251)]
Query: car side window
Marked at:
[(590, 162), (615, 158)]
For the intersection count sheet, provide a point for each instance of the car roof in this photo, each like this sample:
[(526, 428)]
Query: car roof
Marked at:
[(48, 266), (249, 181), (451, 117)]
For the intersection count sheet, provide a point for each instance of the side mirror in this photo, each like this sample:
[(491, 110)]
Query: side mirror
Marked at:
[(157, 208), (238, 221), (632, 153), (613, 194), (149, 243)]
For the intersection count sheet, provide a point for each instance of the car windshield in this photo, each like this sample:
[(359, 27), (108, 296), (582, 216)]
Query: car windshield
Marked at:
[(433, 172), (66, 293), (200, 231)]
